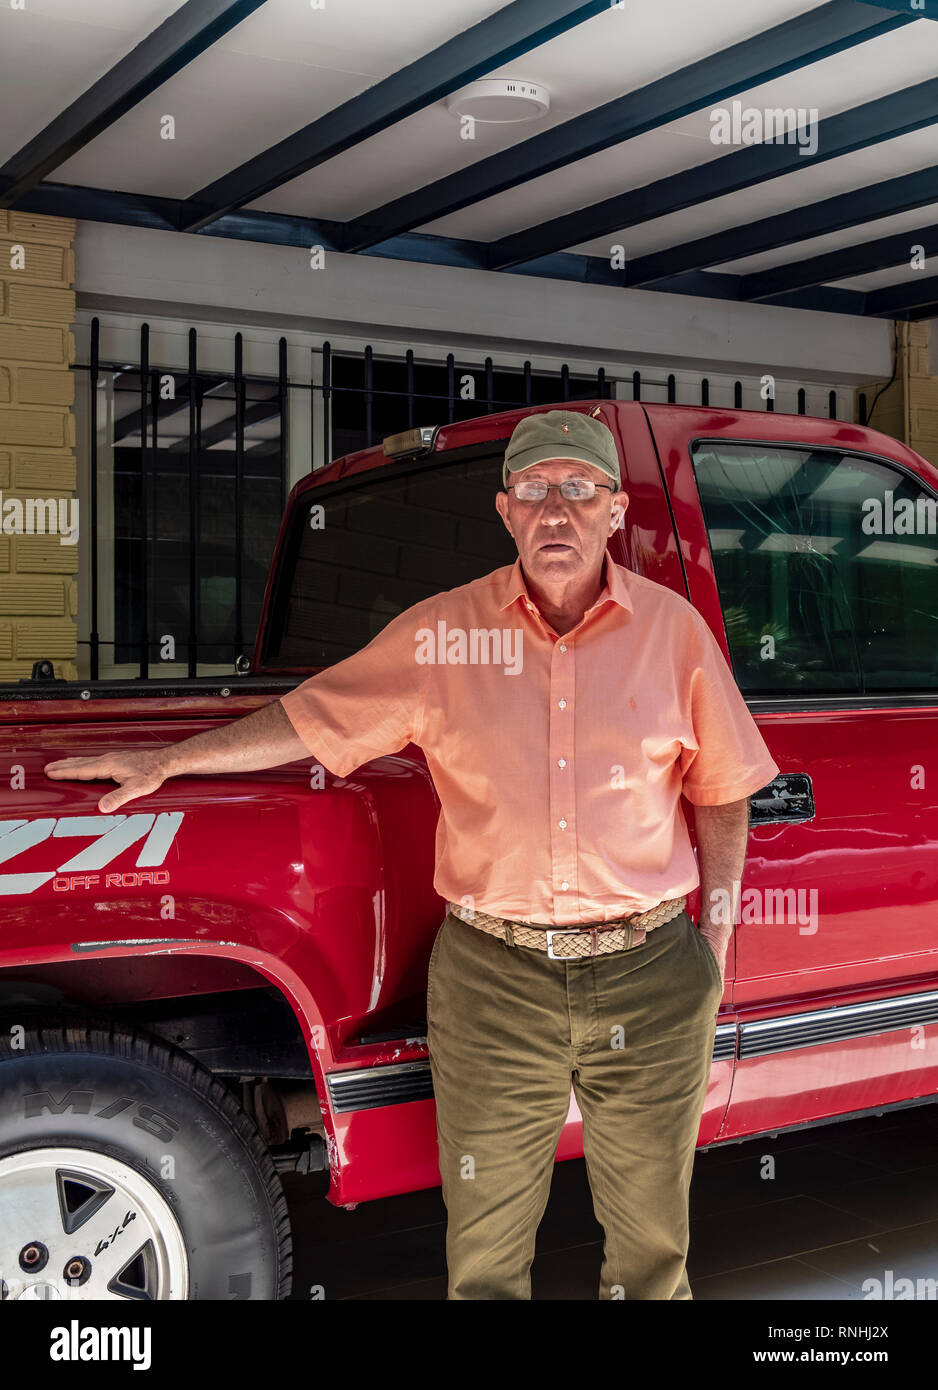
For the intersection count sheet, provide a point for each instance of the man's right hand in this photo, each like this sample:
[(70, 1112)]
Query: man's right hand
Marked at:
[(139, 774), (264, 738)]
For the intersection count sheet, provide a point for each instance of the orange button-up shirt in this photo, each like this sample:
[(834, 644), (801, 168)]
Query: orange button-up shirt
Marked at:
[(559, 761)]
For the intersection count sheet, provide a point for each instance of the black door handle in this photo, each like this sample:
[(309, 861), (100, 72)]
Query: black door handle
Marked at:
[(789, 797)]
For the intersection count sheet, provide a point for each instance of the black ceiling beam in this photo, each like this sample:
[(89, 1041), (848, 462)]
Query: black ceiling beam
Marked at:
[(839, 265), (280, 229), (885, 118), (132, 422), (902, 194), (256, 414), (166, 408), (511, 31), (596, 270), (162, 214), (809, 37), (183, 36), (918, 292)]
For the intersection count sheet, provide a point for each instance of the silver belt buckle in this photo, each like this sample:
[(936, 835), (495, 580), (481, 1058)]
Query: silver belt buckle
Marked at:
[(569, 931)]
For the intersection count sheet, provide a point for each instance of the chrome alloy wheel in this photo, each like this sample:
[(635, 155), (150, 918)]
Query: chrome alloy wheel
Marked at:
[(78, 1224)]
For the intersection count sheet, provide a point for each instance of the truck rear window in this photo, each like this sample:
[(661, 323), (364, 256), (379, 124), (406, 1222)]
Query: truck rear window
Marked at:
[(827, 568), (385, 540)]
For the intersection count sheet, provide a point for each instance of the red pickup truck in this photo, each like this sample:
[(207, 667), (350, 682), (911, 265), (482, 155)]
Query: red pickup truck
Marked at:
[(228, 979)]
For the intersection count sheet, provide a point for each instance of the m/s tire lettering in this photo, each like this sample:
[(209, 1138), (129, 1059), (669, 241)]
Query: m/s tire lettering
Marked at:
[(78, 1101), (153, 1121), (149, 1119), (115, 1108)]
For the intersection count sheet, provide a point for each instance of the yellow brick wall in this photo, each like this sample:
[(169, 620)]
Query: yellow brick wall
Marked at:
[(922, 397), (38, 583), (908, 408)]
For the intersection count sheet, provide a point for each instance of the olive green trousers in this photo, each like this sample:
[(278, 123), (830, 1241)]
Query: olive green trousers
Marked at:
[(508, 1030)]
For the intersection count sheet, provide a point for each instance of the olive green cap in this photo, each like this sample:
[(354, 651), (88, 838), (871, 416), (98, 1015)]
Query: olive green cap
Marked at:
[(561, 434)]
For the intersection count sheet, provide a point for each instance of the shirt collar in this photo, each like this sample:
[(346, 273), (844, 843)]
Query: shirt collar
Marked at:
[(615, 586)]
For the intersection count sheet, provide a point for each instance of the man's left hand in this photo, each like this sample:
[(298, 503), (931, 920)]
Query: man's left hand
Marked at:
[(717, 942)]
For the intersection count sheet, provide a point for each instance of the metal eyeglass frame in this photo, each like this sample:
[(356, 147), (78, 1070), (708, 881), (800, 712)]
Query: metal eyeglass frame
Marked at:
[(512, 488)]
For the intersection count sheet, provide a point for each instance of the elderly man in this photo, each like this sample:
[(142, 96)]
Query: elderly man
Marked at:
[(564, 704)]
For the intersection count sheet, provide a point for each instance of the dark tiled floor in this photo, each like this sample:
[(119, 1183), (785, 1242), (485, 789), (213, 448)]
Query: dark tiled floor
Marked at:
[(847, 1203)]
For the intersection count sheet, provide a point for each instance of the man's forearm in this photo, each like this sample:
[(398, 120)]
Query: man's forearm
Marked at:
[(264, 738), (722, 834)]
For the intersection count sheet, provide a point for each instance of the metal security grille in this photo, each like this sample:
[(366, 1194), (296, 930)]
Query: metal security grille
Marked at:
[(198, 475), (198, 488), (366, 398)]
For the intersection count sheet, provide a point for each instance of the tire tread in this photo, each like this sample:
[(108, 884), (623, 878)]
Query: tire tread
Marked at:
[(92, 1033)]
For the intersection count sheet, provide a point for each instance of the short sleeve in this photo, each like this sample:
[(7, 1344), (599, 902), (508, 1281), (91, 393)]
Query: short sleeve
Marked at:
[(368, 705), (725, 757)]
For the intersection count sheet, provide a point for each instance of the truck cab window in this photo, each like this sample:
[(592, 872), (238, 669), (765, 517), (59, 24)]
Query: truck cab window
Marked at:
[(383, 542), (827, 569)]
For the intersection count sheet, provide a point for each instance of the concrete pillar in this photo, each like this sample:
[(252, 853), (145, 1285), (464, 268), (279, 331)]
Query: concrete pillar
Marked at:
[(907, 409)]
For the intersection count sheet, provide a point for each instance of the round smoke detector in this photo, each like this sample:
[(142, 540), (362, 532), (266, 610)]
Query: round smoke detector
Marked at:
[(499, 100)]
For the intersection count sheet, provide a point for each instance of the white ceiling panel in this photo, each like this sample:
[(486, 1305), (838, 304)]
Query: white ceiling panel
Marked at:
[(370, 37), (287, 64), (888, 64), (848, 236), (53, 50), (215, 128), (857, 170), (282, 67), (331, 190), (882, 279), (583, 68)]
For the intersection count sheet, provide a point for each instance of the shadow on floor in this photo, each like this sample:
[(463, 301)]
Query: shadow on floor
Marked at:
[(848, 1203)]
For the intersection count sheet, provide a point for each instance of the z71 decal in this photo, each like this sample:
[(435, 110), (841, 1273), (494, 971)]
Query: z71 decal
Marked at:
[(110, 836)]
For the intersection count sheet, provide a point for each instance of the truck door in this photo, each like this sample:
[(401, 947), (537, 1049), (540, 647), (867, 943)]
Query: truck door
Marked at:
[(814, 556)]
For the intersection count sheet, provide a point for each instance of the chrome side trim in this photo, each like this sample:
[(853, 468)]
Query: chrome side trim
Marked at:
[(366, 1088), (837, 1024)]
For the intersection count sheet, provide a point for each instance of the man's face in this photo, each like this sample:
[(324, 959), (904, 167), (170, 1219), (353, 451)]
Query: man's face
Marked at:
[(557, 539)]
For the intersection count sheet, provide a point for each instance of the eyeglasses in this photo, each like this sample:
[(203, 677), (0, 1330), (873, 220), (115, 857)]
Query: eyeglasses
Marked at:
[(574, 489)]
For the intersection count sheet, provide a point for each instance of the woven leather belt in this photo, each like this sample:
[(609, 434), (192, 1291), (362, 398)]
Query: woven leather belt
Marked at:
[(572, 943)]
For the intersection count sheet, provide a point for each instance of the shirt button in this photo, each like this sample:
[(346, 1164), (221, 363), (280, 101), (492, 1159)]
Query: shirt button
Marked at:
[(561, 762), (562, 824), (562, 704), (564, 886), (563, 646)]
